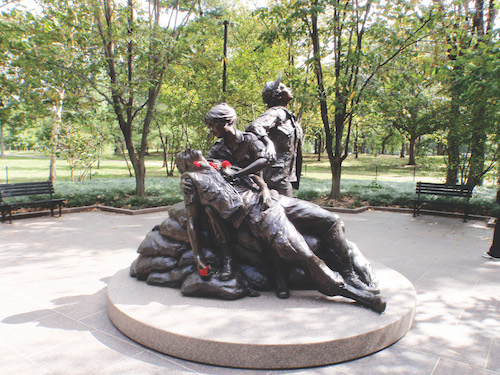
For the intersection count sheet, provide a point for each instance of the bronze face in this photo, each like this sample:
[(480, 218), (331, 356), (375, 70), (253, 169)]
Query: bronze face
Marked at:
[(217, 128), (285, 92)]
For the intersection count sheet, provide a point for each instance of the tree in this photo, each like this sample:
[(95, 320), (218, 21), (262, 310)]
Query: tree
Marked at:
[(42, 56), (195, 82), (344, 63), (137, 51), (471, 78), (62, 57), (409, 98), (8, 35)]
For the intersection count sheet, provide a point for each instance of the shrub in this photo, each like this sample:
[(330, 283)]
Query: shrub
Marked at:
[(120, 192), (164, 191)]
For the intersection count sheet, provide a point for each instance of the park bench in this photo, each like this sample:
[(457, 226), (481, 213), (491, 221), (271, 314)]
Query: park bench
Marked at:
[(428, 189), (27, 189)]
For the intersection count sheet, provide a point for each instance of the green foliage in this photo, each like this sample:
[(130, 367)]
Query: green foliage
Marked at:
[(393, 187), (350, 43), (120, 193), (469, 74), (381, 193), (194, 84), (54, 70), (312, 189), (408, 98), (392, 194), (166, 191), (34, 166)]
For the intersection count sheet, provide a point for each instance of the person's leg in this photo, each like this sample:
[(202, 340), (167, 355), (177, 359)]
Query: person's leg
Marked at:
[(282, 186), (289, 244), (363, 268), (339, 253), (280, 279), (310, 218), (495, 245), (277, 179), (222, 237)]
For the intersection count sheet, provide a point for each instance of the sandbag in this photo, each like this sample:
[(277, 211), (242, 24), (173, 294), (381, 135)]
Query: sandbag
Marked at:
[(195, 286), (171, 279), (156, 244), (144, 265)]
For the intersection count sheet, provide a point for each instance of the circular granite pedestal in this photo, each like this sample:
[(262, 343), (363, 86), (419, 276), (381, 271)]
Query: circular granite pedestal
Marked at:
[(308, 329)]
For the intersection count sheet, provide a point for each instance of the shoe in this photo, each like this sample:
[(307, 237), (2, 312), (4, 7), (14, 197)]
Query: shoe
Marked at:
[(488, 256)]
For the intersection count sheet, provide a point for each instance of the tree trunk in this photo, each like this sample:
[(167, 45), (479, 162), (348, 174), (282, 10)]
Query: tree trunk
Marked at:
[(319, 145), (477, 158), (337, 156), (439, 149), (453, 143), (335, 168), (164, 147), (138, 165), (385, 139), (411, 151), (453, 158), (57, 108), (125, 158), (402, 151), (2, 144), (478, 136), (165, 154), (345, 67), (140, 179)]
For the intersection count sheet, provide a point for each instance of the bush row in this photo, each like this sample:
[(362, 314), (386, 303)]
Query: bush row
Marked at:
[(164, 191)]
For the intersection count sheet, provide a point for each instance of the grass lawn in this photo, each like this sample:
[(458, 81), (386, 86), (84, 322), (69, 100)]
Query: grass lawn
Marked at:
[(383, 180), (381, 167), (31, 166), (18, 166)]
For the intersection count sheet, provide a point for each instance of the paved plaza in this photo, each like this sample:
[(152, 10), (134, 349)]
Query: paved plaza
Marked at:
[(54, 273)]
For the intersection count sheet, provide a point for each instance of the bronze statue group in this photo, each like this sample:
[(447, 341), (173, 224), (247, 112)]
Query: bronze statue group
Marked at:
[(239, 227)]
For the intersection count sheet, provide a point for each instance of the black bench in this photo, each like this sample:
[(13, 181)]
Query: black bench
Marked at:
[(25, 189), (447, 190)]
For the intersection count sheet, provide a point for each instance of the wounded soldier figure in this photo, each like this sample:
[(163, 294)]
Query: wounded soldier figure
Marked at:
[(249, 206)]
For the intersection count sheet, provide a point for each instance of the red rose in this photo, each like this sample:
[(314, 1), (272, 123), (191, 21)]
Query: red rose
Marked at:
[(226, 164), (204, 271), (197, 163)]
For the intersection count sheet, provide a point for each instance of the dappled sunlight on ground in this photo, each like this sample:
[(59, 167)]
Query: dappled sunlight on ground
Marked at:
[(54, 273)]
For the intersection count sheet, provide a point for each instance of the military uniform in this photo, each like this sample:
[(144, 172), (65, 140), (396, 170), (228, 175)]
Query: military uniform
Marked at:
[(283, 129)]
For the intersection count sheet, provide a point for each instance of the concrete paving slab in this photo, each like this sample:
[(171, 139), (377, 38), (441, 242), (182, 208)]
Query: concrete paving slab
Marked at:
[(65, 263), (448, 367), (397, 359), (15, 363), (88, 353), (493, 360), (31, 337), (135, 365), (101, 322)]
